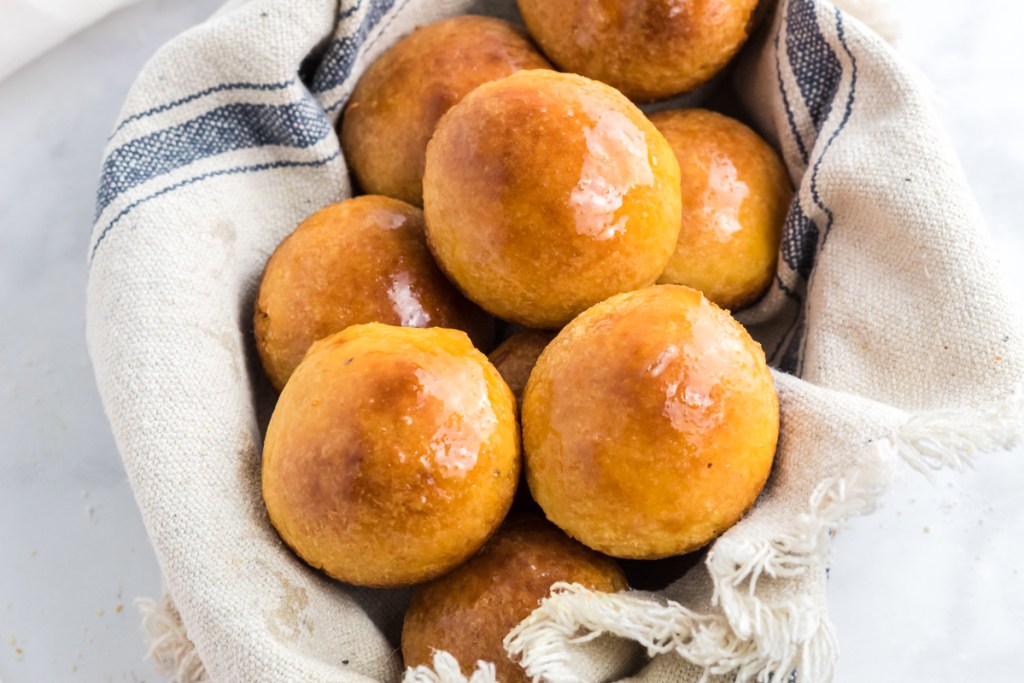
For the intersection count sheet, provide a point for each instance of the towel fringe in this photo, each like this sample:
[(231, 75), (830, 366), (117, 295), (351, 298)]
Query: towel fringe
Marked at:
[(951, 439), (753, 639), (750, 639), (446, 670), (173, 654)]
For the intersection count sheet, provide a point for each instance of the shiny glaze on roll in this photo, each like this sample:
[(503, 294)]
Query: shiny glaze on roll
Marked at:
[(649, 424), (648, 49), (396, 104), (545, 193), (358, 261), (736, 193), (392, 454)]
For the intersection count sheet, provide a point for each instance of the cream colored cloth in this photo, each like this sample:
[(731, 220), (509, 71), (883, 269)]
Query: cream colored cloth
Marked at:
[(893, 341)]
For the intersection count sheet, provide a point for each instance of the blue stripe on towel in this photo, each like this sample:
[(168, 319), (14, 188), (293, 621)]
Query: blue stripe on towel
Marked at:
[(341, 55), (225, 129), (799, 239), (349, 11), (786, 104), (242, 85), (202, 93), (338, 102), (802, 238), (847, 112), (254, 168), (815, 66)]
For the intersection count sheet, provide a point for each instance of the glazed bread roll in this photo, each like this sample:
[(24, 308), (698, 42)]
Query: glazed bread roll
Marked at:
[(649, 424), (648, 49), (545, 193), (515, 357), (397, 102), (392, 454), (469, 611), (736, 192), (359, 261)]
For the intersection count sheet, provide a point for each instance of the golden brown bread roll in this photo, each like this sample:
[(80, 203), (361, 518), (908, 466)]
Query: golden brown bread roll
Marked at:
[(649, 424), (648, 49), (397, 102), (469, 611), (736, 192), (358, 261), (515, 357), (392, 454), (545, 193)]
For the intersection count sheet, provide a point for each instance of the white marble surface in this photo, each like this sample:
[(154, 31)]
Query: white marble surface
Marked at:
[(928, 589)]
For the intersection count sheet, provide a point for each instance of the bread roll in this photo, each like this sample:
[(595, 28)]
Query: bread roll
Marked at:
[(470, 611), (736, 192), (545, 193), (515, 357), (649, 424), (397, 102), (392, 454), (358, 261), (648, 49)]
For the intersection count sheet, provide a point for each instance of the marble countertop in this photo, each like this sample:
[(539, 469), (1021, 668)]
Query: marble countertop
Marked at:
[(930, 588)]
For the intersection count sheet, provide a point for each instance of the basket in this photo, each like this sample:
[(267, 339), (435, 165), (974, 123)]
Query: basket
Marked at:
[(892, 340)]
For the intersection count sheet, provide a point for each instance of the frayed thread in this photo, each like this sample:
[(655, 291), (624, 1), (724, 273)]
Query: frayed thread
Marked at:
[(753, 639), (736, 567), (446, 669), (173, 654), (750, 639), (573, 614), (950, 439)]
